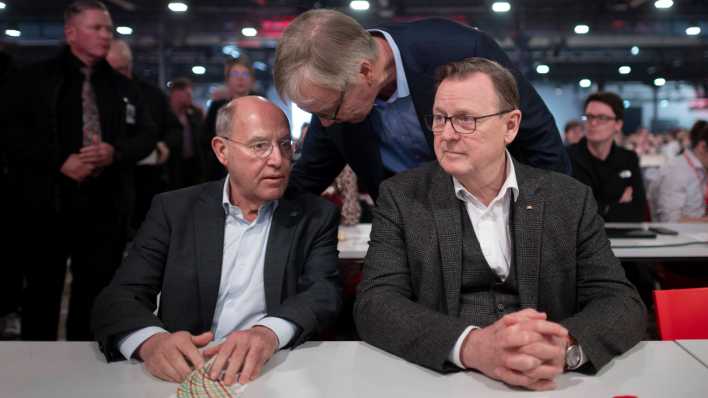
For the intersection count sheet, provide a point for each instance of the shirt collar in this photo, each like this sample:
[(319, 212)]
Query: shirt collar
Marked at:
[(694, 160), (509, 183), (226, 203), (402, 89)]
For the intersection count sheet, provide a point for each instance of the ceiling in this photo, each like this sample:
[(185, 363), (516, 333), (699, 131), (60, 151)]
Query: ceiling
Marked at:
[(533, 32)]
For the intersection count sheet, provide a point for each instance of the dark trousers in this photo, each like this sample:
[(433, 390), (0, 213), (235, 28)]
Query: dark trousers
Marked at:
[(93, 236)]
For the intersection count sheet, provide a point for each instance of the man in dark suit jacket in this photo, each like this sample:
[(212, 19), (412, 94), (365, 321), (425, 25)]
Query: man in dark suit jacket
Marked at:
[(76, 129), (232, 259), (370, 90), (480, 262)]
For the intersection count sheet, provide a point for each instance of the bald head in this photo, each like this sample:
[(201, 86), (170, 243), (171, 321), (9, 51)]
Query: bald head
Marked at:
[(121, 58), (247, 113)]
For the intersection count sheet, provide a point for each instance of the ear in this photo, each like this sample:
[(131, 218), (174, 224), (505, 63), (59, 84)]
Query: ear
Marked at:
[(221, 150), (620, 123), (69, 32), (366, 70), (513, 122)]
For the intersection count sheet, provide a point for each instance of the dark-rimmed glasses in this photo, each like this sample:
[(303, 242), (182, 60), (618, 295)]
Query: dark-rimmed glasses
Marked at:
[(461, 124)]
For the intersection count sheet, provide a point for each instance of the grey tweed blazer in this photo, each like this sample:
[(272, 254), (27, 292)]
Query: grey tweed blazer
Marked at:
[(408, 301)]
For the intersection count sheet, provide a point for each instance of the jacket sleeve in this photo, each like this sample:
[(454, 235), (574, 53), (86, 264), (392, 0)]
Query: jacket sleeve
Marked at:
[(321, 160), (538, 142), (385, 310), (129, 301), (611, 317), (317, 301)]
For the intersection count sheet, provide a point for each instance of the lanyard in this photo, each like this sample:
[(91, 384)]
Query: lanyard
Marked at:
[(698, 176)]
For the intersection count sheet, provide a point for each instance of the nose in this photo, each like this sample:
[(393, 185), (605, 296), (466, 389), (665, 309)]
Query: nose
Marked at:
[(276, 157), (448, 132)]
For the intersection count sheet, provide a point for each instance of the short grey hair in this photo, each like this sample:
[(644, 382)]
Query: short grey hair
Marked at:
[(224, 119), (503, 81), (325, 47), (79, 6)]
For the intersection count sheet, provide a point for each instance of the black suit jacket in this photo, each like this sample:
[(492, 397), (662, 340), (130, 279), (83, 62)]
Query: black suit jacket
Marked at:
[(424, 46), (409, 298), (178, 253)]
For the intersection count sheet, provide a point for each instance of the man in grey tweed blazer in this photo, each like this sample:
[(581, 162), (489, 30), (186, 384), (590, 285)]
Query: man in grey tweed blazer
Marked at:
[(480, 262)]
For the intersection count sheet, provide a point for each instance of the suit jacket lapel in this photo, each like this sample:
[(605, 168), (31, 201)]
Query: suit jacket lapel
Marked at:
[(280, 239), (446, 212), (209, 246), (527, 231)]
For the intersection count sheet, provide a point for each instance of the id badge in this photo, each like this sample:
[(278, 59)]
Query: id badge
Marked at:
[(129, 112)]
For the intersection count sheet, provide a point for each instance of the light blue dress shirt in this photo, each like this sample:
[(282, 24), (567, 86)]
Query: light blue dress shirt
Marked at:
[(403, 142), (241, 302)]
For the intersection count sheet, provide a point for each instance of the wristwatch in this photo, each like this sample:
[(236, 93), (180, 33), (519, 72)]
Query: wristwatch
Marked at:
[(573, 357)]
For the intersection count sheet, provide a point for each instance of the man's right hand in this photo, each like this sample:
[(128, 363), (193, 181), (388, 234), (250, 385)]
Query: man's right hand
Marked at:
[(76, 169), (168, 355), (521, 349)]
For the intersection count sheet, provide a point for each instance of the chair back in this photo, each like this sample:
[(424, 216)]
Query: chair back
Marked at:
[(682, 313)]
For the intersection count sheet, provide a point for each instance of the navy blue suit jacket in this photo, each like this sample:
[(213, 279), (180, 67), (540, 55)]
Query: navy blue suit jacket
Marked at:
[(425, 45)]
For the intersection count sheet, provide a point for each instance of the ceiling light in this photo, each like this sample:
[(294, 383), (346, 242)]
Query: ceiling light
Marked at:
[(693, 30), (501, 6), (231, 50), (626, 104), (664, 103), (198, 70), (585, 83), (249, 31), (542, 69), (2, 5), (260, 66), (634, 50), (659, 81), (177, 6), (581, 29), (124, 30), (663, 3), (625, 70), (13, 32), (359, 5)]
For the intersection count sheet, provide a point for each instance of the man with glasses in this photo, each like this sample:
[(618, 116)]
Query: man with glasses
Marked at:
[(480, 262), (369, 91), (235, 261)]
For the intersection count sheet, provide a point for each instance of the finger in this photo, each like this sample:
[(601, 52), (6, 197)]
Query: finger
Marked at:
[(202, 339), (191, 352), (178, 362), (543, 350), (167, 369), (543, 385), (236, 362), (221, 357), (520, 362), (548, 372), (211, 351), (512, 377), (547, 328), (527, 313), (253, 363), (96, 139), (513, 336)]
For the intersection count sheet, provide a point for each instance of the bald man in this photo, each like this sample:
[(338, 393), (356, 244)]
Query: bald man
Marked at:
[(151, 172), (235, 261)]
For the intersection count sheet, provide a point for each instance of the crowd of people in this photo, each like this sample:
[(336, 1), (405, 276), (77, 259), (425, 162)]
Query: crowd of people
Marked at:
[(480, 244)]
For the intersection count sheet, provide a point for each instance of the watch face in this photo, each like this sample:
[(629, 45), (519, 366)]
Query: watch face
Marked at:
[(572, 357)]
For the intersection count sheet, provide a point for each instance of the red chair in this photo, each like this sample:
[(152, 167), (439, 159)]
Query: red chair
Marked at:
[(682, 313)]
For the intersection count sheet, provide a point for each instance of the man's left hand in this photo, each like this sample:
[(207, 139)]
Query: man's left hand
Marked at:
[(99, 154), (243, 352)]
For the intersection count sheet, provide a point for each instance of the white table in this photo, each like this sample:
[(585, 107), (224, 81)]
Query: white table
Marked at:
[(338, 369), (697, 348), (690, 245)]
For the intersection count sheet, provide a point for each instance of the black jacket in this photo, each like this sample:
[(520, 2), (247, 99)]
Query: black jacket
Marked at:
[(34, 154)]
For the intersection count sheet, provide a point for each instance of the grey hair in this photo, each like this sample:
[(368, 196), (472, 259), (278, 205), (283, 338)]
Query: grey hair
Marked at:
[(79, 6), (324, 47), (224, 119), (503, 81)]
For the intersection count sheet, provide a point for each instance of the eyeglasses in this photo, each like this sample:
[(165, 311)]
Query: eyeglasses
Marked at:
[(263, 149), (333, 116), (601, 119), (243, 74), (462, 124)]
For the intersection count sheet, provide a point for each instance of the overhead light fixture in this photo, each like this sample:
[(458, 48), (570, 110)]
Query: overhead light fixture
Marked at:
[(13, 32), (585, 83), (634, 50), (2, 5), (249, 31), (124, 30), (661, 4), (581, 29), (626, 104), (659, 81), (260, 66), (198, 70), (542, 69), (624, 70), (359, 5), (664, 103), (693, 30), (501, 6), (231, 50), (178, 6)]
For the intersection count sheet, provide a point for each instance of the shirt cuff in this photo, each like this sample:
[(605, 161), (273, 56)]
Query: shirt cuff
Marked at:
[(285, 330), (128, 344), (454, 355)]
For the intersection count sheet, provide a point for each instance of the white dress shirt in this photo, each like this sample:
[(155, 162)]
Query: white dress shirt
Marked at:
[(680, 188), (240, 303)]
